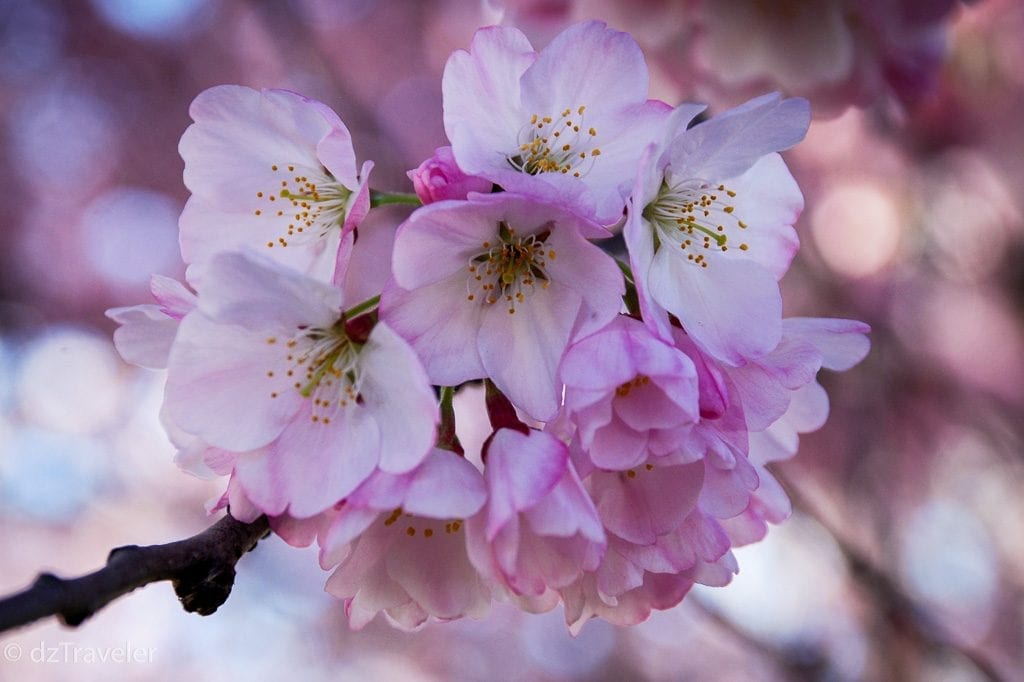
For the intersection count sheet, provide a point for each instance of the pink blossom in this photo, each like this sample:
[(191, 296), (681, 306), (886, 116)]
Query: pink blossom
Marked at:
[(838, 52), (710, 226), (838, 345), (540, 530), (439, 177), (270, 170), (265, 367), (496, 286), (573, 118), (631, 395), (400, 547)]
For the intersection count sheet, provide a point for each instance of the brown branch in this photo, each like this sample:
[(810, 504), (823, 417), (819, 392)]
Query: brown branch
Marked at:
[(201, 569)]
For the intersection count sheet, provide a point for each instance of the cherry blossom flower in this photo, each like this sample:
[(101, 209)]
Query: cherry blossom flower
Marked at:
[(267, 367), (399, 543), (540, 530), (271, 170), (631, 395), (495, 287), (439, 177), (574, 117), (710, 226)]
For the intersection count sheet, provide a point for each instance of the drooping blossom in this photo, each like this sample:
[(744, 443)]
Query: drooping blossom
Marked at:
[(630, 395), (439, 178), (274, 171), (494, 287), (399, 544), (785, 380), (659, 543), (267, 367), (573, 118), (540, 530), (710, 227)]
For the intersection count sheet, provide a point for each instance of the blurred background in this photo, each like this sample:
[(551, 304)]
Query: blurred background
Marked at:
[(905, 556)]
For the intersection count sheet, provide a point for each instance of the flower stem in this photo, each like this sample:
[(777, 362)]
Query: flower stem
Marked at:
[(384, 198), (630, 298), (362, 307), (446, 437)]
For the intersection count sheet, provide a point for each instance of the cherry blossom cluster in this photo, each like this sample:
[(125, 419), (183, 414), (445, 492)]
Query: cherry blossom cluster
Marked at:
[(635, 401)]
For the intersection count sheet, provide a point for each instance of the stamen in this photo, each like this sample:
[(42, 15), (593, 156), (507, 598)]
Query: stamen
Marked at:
[(550, 145), (510, 270), (638, 381), (321, 200), (694, 209), (327, 363)]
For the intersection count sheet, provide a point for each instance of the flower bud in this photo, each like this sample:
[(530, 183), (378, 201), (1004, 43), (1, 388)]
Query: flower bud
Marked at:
[(439, 178)]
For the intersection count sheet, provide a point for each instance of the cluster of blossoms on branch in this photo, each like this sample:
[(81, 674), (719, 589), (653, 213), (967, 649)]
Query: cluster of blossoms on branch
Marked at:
[(635, 402)]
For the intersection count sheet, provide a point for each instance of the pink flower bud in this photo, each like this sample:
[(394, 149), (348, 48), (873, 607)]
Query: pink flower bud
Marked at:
[(439, 178)]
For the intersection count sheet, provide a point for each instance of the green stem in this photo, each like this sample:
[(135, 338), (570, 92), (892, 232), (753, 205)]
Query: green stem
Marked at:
[(446, 437), (630, 298), (362, 307), (626, 270), (385, 198)]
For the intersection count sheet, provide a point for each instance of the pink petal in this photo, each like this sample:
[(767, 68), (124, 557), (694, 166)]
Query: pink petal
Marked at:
[(728, 144), (652, 503), (521, 470), (207, 229), (310, 467), (842, 343), (256, 293), (586, 64), (217, 385), (733, 309), (396, 390), (445, 486), (590, 273), (521, 352), (144, 336), (441, 326), (488, 72), (769, 202), (175, 299)]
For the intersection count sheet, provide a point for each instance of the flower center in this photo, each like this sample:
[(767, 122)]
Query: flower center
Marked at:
[(511, 269), (322, 364), (306, 204), (638, 381), (697, 216), (416, 526), (632, 473), (556, 145)]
